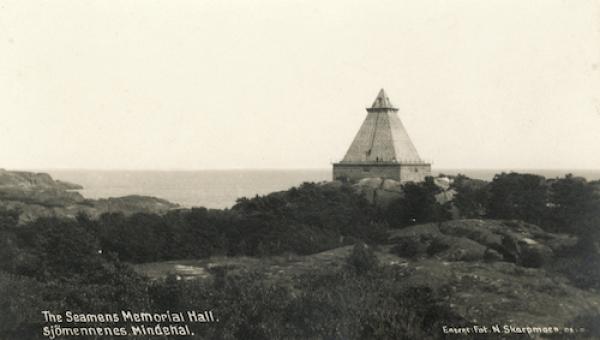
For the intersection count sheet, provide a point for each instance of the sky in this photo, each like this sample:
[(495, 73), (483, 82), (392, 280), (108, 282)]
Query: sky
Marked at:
[(223, 84)]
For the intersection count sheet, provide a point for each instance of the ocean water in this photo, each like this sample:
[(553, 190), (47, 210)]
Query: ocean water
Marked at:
[(221, 188), (207, 188)]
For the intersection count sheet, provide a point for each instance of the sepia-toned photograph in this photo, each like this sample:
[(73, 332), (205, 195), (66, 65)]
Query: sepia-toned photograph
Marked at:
[(299, 169)]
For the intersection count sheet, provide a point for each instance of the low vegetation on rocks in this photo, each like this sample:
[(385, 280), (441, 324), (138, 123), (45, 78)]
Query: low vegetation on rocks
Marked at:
[(318, 260)]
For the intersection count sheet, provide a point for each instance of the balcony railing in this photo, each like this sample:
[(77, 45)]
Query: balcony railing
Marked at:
[(386, 162)]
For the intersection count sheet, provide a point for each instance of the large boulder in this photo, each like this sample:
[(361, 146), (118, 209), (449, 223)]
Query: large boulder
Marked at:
[(379, 191), (383, 191)]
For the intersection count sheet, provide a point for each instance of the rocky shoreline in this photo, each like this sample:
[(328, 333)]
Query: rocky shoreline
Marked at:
[(37, 195)]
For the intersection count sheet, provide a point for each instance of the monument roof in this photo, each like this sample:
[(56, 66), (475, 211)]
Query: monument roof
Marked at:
[(382, 137)]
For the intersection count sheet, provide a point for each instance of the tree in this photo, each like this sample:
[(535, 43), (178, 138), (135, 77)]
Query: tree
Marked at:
[(471, 196), (418, 205), (518, 196), (573, 201)]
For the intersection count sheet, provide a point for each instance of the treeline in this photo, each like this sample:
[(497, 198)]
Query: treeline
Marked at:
[(303, 220), (568, 204), (316, 217)]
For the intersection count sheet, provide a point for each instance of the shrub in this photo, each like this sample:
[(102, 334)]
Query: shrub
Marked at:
[(437, 245), (362, 258), (591, 325), (409, 246), (584, 272)]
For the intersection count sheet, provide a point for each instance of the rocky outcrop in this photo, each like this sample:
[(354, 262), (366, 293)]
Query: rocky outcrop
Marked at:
[(379, 191), (37, 188), (494, 271), (32, 181), (382, 191), (479, 267), (133, 203), (503, 293), (517, 242), (37, 195)]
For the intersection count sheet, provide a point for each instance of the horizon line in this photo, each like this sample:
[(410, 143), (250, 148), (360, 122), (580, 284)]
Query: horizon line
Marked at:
[(282, 169)]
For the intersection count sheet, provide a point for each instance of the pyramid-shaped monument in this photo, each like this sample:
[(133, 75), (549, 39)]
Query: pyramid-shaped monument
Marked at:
[(382, 148)]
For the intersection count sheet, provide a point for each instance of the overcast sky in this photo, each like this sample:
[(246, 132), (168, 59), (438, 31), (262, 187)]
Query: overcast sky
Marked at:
[(284, 84)]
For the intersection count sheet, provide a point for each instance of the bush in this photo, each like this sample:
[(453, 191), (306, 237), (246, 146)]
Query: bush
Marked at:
[(409, 246), (590, 323), (362, 258), (437, 245), (583, 272)]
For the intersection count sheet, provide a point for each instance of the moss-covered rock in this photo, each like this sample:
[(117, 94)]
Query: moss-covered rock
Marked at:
[(482, 240)]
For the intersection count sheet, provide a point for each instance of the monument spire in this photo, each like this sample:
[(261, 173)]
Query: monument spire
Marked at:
[(382, 102)]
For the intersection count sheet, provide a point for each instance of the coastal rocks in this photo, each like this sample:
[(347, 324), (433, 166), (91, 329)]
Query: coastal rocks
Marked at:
[(44, 197), (37, 188), (32, 181), (132, 204), (37, 195)]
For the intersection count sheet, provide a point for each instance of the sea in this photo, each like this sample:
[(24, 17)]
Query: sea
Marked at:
[(219, 189)]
